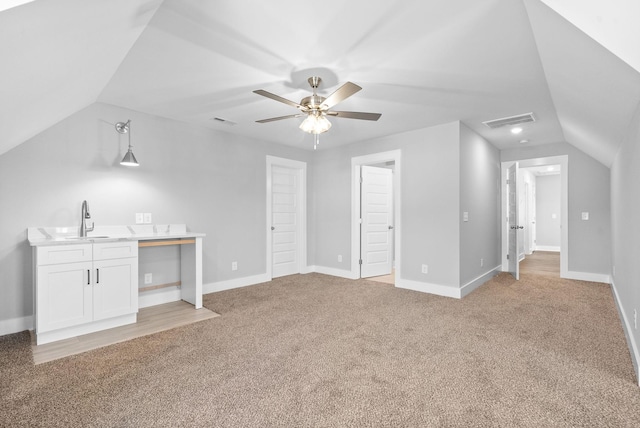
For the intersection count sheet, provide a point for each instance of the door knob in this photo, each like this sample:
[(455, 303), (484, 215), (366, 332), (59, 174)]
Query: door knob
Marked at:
[(390, 227), (273, 228)]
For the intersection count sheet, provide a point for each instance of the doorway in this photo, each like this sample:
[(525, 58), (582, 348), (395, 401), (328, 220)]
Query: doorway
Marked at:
[(541, 219), (375, 228), (286, 217), (522, 228)]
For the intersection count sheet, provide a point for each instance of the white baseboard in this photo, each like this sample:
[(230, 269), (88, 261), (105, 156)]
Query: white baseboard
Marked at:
[(16, 325), (333, 272), (587, 276), (477, 282), (82, 329), (234, 283), (425, 287), (626, 326), (547, 248)]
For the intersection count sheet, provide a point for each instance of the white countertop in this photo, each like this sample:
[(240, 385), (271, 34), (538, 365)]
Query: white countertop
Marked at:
[(38, 236)]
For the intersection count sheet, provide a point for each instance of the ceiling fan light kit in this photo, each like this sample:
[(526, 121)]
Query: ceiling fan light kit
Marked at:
[(315, 124), (316, 108)]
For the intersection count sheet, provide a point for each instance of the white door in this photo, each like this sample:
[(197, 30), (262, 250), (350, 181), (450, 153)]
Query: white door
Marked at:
[(512, 219), (284, 223), (376, 251)]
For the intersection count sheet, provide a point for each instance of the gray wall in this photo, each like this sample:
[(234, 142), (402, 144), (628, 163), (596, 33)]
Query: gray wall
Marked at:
[(480, 197), (429, 197), (589, 190), (625, 206), (547, 204), (212, 181), (445, 170)]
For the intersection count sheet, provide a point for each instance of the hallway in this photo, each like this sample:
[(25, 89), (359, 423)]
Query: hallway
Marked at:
[(545, 263)]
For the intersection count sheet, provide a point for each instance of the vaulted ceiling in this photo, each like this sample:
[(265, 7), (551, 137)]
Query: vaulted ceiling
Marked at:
[(420, 63)]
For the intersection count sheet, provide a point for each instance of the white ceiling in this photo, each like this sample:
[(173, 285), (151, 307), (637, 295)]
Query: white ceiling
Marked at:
[(420, 63)]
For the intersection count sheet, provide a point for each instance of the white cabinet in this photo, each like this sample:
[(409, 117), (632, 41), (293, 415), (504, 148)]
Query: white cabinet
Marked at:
[(82, 288)]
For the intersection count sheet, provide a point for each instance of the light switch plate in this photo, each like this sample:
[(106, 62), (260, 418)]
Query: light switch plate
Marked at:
[(585, 215), (465, 216), (139, 218), (147, 217)]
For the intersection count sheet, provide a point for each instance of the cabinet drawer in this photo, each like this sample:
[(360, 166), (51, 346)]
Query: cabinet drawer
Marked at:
[(49, 255), (115, 250)]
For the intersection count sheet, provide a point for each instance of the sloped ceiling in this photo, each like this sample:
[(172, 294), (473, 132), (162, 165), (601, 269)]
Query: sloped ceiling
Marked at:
[(419, 63), (57, 56), (612, 23), (595, 93)]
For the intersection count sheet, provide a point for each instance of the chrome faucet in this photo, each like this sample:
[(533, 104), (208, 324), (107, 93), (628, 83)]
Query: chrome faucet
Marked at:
[(83, 223)]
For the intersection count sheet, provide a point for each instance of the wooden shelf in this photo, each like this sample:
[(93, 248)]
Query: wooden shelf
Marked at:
[(157, 287), (163, 242)]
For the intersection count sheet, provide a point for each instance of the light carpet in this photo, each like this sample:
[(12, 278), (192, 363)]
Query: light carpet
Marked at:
[(319, 351)]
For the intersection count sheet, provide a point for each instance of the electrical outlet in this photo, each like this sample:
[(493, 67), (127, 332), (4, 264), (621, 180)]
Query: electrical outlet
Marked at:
[(481, 262), (234, 265), (340, 258), (147, 217), (425, 268), (139, 218), (148, 278)]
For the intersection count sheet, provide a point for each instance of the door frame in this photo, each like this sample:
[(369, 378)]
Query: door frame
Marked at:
[(301, 254), (356, 163), (563, 161)]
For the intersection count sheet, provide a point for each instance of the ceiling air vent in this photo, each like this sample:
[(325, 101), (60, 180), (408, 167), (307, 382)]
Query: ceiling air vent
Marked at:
[(510, 121), (221, 120)]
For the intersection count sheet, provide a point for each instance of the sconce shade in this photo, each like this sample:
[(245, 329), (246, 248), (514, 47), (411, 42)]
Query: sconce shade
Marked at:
[(129, 159)]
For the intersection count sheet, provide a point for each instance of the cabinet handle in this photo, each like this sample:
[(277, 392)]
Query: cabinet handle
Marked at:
[(97, 276), (88, 277)]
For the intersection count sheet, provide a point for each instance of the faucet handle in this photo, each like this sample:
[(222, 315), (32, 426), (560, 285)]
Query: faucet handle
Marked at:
[(89, 229)]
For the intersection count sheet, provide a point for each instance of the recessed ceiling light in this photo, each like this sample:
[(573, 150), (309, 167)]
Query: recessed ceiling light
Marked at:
[(516, 130), (524, 141)]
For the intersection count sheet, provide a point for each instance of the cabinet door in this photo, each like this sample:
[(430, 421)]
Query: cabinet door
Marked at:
[(64, 296), (115, 289)]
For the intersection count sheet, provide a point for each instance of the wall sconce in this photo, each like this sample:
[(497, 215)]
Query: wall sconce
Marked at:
[(129, 159)]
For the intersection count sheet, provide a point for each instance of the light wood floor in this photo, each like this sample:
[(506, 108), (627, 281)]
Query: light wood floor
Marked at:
[(151, 320), (387, 279), (542, 263)]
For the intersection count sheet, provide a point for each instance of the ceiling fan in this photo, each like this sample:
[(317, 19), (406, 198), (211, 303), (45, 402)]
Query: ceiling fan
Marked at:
[(317, 108)]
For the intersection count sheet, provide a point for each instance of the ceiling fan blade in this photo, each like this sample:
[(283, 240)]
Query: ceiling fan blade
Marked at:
[(277, 98), (355, 115), (341, 94), (273, 119)]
